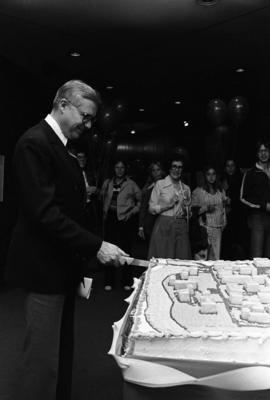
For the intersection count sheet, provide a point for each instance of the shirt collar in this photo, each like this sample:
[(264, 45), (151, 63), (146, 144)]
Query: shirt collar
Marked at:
[(122, 181), (260, 167), (56, 128), (266, 171), (168, 181)]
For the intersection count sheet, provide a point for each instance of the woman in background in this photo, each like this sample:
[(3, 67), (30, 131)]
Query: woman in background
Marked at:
[(121, 202), (170, 201), (146, 219), (234, 238), (211, 201)]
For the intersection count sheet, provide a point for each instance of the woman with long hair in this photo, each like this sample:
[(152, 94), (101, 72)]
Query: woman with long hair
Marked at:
[(146, 219), (210, 200)]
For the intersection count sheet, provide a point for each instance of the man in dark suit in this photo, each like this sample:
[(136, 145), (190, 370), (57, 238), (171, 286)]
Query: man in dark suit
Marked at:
[(50, 241), (93, 217)]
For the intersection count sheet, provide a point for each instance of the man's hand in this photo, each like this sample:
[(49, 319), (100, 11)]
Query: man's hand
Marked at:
[(109, 253), (91, 190)]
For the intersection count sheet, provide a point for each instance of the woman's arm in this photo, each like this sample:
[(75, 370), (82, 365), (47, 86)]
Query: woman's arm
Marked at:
[(197, 201), (154, 205)]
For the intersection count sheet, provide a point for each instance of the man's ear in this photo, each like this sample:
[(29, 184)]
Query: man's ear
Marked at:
[(63, 103)]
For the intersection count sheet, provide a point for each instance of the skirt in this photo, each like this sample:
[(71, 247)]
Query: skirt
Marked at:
[(170, 239)]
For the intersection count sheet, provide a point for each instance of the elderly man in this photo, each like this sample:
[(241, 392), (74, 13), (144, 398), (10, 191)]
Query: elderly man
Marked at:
[(50, 240)]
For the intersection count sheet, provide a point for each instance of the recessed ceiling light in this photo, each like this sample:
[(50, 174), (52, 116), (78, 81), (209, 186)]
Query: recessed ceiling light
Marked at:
[(109, 87), (177, 102), (75, 54), (141, 109), (207, 2), (132, 131), (240, 70), (186, 123)]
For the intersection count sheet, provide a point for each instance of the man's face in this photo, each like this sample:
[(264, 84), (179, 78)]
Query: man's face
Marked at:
[(176, 170), (120, 170), (230, 167), (263, 154), (77, 116)]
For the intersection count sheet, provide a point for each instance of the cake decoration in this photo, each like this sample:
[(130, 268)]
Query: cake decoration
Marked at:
[(218, 311)]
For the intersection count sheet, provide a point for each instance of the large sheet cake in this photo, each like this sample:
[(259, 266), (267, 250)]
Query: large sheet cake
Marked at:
[(210, 312)]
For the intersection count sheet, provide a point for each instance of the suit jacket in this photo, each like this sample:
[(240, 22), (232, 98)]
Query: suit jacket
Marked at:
[(49, 240)]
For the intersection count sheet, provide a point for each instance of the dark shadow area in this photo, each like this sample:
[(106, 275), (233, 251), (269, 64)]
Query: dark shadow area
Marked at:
[(95, 373)]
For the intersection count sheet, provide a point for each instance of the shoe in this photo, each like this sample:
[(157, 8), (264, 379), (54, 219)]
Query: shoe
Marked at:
[(108, 288), (127, 287)]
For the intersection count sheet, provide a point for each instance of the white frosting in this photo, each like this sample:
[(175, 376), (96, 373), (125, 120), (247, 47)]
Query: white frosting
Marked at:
[(198, 316)]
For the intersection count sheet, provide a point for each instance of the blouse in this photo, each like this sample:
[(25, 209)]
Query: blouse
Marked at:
[(201, 198), (165, 193)]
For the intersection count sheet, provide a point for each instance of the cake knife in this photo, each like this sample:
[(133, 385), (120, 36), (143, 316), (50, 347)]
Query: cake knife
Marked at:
[(134, 262)]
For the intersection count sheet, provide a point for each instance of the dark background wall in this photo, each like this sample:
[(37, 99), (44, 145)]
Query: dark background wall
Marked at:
[(26, 98)]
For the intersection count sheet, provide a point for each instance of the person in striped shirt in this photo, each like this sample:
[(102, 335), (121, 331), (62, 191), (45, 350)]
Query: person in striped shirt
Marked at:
[(210, 200)]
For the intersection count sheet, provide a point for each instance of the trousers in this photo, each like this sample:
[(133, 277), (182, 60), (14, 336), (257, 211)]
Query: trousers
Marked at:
[(259, 226), (214, 238), (47, 355)]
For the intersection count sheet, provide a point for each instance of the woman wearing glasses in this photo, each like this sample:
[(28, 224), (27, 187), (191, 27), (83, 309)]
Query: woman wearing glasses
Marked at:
[(170, 200)]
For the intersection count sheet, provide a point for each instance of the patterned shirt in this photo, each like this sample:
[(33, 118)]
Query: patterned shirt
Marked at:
[(164, 193), (201, 198)]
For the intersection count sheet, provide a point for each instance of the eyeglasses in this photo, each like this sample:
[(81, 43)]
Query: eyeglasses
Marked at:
[(177, 167), (86, 118)]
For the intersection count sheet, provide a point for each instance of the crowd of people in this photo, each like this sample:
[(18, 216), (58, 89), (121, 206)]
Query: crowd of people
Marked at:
[(226, 215)]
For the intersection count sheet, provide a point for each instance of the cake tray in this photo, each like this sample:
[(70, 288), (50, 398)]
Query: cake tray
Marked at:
[(161, 372)]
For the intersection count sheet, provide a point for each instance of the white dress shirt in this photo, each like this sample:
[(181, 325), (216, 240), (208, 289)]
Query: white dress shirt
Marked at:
[(56, 128)]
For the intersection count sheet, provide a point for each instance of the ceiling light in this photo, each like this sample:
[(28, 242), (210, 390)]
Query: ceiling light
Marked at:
[(141, 109), (177, 102), (186, 123), (132, 131), (109, 87), (207, 2), (75, 54), (240, 70)]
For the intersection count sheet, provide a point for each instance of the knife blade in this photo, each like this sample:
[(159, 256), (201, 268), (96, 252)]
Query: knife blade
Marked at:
[(134, 262)]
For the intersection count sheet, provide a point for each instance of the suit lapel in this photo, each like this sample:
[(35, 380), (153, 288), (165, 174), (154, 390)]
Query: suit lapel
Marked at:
[(69, 162)]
